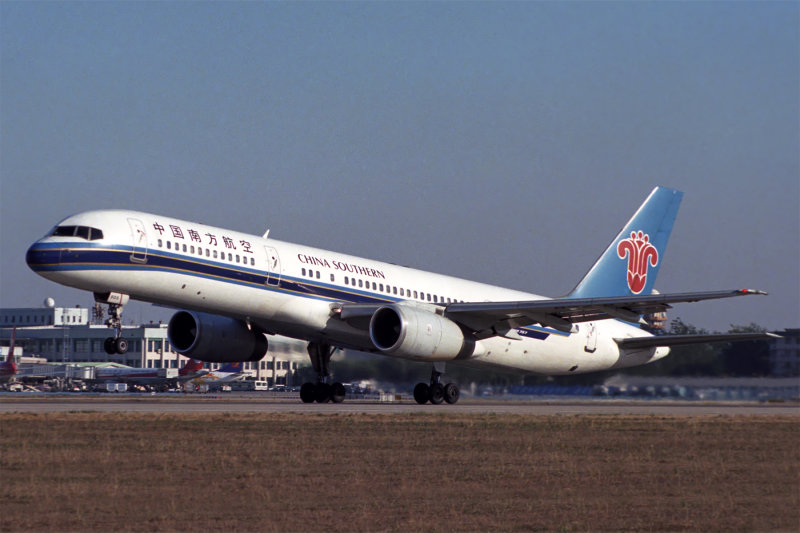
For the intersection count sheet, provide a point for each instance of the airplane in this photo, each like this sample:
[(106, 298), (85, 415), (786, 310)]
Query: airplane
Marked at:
[(217, 378), (191, 370), (8, 368), (148, 377), (232, 290)]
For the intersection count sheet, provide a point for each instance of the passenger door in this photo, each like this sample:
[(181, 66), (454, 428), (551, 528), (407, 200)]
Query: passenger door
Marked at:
[(139, 252), (273, 266)]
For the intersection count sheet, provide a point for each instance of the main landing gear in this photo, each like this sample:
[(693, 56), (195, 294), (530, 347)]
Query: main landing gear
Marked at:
[(321, 391), (435, 392)]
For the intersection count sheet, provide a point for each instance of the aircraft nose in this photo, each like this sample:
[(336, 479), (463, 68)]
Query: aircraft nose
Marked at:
[(39, 256)]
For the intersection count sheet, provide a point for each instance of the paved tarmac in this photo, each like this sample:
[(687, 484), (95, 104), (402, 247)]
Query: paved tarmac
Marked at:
[(140, 403)]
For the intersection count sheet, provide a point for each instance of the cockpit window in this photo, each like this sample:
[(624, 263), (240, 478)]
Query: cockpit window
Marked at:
[(84, 232)]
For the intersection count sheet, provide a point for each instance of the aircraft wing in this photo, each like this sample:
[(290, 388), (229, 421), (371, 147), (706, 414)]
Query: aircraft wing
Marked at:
[(677, 340), (488, 319)]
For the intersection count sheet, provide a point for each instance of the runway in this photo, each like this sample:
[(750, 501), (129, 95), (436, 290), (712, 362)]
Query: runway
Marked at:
[(255, 404)]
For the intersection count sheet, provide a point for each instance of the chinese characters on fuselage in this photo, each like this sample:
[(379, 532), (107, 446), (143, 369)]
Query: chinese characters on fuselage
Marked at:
[(194, 235)]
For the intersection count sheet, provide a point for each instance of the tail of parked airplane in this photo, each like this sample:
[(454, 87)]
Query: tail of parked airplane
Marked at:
[(191, 366), (630, 264)]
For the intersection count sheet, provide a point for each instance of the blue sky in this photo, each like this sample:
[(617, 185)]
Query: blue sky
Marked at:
[(500, 142)]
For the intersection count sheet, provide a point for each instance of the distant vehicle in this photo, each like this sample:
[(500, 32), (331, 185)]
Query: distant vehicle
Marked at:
[(8, 368), (237, 288), (249, 385), (111, 386)]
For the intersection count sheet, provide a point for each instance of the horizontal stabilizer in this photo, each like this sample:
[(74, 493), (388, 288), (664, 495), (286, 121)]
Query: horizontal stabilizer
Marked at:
[(677, 340)]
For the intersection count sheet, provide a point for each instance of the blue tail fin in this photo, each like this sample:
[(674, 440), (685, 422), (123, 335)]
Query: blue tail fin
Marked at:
[(631, 262)]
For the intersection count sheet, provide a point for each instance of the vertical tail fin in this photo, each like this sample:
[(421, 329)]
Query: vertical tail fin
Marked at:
[(631, 262), (192, 365)]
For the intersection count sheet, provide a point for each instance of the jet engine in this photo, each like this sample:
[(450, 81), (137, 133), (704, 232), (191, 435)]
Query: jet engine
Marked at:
[(214, 338), (412, 333)]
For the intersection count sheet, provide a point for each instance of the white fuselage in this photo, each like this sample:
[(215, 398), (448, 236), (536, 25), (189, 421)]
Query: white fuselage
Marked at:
[(293, 290)]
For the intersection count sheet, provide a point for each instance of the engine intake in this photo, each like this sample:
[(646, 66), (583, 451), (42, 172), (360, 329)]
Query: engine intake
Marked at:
[(214, 338), (413, 333)]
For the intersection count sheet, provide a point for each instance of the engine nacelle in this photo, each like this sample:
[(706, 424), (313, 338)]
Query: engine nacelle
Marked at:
[(214, 338), (412, 333)]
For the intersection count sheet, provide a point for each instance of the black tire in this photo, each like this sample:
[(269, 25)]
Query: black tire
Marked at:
[(323, 393), (338, 392), (421, 394), (451, 393), (308, 392), (436, 393), (121, 346), (109, 346)]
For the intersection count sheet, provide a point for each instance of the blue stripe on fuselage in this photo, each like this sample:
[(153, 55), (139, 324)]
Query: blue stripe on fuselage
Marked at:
[(66, 257)]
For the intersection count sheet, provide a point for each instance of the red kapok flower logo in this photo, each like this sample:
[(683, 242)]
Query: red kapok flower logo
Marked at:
[(640, 253)]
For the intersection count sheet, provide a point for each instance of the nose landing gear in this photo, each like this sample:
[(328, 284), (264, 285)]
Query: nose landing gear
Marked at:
[(116, 344)]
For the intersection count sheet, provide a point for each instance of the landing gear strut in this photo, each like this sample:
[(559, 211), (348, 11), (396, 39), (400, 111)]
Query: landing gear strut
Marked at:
[(116, 344), (321, 391), (435, 392)]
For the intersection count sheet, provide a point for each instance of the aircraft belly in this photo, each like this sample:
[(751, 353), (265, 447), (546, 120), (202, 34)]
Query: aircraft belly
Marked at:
[(556, 355)]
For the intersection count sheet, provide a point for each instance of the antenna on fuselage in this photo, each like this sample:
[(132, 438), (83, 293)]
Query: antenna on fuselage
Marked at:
[(266, 235)]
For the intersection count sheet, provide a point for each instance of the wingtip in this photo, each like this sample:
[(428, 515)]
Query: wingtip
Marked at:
[(752, 291)]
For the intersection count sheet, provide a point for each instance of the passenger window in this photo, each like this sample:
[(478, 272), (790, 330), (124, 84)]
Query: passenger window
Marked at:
[(346, 280), (333, 278), (230, 257), (360, 283), (237, 258), (191, 249), (208, 253), (169, 245), (184, 248), (215, 254), (429, 297), (160, 243), (415, 294), (434, 299), (380, 287), (252, 261), (317, 274)]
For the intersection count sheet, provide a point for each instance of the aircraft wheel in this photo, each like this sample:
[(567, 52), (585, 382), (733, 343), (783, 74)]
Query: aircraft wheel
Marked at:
[(338, 392), (323, 393), (308, 392), (451, 393), (109, 346), (421, 393), (121, 345), (436, 393)]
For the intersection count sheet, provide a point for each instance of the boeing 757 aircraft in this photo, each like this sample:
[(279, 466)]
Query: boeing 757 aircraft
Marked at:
[(233, 290)]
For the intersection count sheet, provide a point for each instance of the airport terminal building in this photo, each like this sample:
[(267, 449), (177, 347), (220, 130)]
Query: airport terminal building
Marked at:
[(66, 335)]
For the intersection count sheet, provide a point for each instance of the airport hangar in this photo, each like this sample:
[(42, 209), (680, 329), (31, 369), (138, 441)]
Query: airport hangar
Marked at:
[(68, 335)]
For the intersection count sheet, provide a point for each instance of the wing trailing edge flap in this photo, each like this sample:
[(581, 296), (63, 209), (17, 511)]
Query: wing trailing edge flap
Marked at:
[(637, 343)]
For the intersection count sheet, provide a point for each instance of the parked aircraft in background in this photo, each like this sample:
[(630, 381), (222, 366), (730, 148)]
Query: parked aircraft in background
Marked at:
[(191, 370), (234, 289), (157, 378), (217, 378), (8, 368)]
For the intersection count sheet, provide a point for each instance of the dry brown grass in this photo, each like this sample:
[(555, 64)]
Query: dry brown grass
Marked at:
[(411, 472)]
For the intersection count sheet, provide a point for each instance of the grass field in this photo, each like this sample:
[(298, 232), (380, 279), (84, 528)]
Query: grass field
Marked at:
[(408, 472)]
